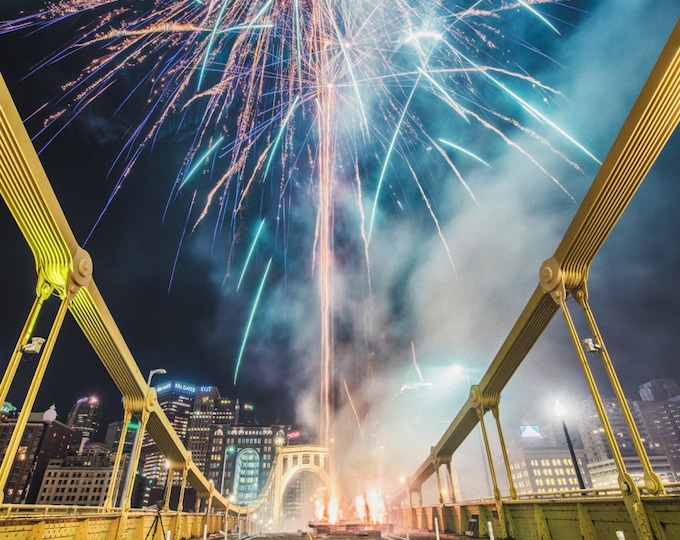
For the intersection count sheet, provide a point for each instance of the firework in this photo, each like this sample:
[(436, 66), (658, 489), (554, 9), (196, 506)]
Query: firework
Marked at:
[(279, 100)]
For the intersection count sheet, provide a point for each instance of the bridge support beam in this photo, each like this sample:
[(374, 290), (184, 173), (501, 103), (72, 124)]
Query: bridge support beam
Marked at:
[(449, 478), (586, 523), (484, 403), (143, 418), (168, 488), (446, 517), (542, 529), (208, 504), (553, 282), (180, 501), (504, 450), (437, 462), (111, 492), (652, 481), (42, 293), (11, 450)]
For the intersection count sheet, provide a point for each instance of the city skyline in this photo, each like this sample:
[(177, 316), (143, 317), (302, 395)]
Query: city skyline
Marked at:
[(538, 455), (195, 329)]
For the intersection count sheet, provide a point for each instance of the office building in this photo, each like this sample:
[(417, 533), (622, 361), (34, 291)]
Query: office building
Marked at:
[(192, 410), (177, 400), (41, 441), (540, 461), (241, 458), (601, 464), (659, 390), (85, 417), (82, 479), (659, 412), (208, 408), (114, 431)]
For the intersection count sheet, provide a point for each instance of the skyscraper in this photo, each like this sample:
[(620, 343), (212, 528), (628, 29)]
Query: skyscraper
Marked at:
[(114, 431), (177, 400), (601, 463), (85, 417), (659, 390), (192, 410), (208, 408), (659, 412)]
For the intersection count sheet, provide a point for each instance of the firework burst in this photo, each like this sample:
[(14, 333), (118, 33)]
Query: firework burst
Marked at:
[(282, 99)]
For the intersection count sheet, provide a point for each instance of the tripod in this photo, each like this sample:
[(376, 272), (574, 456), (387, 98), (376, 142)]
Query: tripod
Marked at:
[(154, 526)]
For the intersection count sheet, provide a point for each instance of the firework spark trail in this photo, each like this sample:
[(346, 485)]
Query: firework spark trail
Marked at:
[(199, 162), (255, 80), (250, 320), (275, 145), (467, 152), (354, 409), (250, 254), (426, 200), (181, 241), (268, 56), (415, 362), (539, 16), (390, 149)]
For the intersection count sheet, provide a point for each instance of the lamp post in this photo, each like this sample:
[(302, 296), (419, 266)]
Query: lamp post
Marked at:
[(560, 412), (49, 416), (136, 443)]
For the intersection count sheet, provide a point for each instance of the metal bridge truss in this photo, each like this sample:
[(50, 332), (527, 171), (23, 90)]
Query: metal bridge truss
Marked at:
[(64, 270), (644, 511)]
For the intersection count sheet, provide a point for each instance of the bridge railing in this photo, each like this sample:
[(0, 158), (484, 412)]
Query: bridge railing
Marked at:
[(63, 522)]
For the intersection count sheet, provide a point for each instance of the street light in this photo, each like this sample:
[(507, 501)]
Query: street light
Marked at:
[(135, 444), (49, 416), (560, 412)]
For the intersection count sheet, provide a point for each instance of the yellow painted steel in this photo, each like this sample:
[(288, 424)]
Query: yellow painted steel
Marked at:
[(651, 122), (557, 515), (649, 125), (62, 523), (65, 269)]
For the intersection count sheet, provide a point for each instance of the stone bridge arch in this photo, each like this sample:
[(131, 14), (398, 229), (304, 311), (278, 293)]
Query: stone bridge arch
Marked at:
[(292, 460)]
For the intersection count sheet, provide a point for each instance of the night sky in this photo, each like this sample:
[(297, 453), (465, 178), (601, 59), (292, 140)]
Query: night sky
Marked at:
[(192, 322)]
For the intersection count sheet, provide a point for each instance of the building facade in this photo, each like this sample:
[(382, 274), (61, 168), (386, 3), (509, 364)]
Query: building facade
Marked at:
[(601, 465), (540, 462), (81, 479), (208, 408), (241, 458), (40, 442), (114, 431), (176, 399)]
